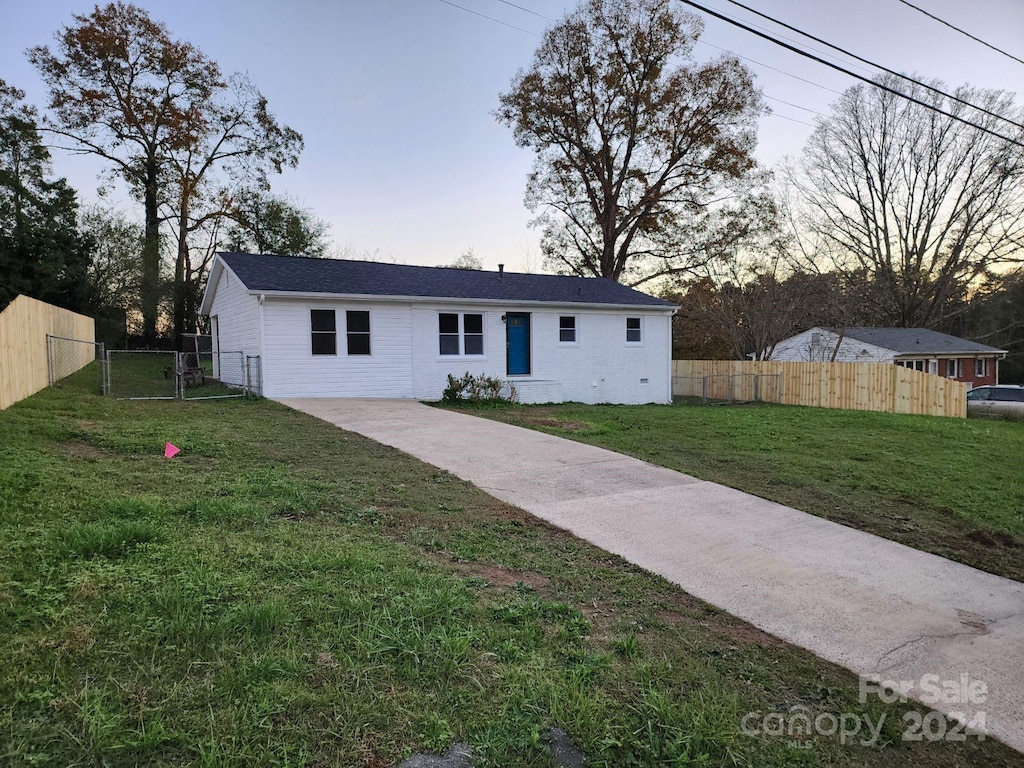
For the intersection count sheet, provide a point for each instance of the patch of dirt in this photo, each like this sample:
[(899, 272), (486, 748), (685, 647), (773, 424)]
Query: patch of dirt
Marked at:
[(993, 539), (77, 449), (747, 634), (497, 575), (326, 660)]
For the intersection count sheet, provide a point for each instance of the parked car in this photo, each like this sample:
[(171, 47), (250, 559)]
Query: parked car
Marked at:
[(997, 401)]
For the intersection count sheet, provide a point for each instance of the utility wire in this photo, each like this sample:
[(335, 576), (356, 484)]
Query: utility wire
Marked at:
[(791, 119), (845, 71), (877, 66), (489, 18), (796, 106), (522, 8), (769, 66), (701, 42), (962, 32)]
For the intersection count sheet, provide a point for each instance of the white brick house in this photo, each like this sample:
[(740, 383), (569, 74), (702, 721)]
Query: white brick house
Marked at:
[(337, 328)]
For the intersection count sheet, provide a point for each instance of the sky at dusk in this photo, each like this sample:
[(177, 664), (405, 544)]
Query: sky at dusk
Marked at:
[(394, 98)]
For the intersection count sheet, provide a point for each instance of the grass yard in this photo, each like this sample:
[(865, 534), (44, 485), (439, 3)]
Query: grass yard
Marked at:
[(284, 593), (954, 487)]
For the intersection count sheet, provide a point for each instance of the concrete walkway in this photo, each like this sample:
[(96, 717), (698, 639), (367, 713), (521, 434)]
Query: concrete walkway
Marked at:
[(867, 603)]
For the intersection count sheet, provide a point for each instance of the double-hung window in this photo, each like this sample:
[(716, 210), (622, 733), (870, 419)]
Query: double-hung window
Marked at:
[(460, 333), (567, 329), (980, 366), (634, 334), (324, 331), (323, 326), (357, 329)]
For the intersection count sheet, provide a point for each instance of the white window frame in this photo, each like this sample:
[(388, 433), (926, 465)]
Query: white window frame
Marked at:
[(312, 333), (980, 367), (640, 328), (368, 333), (461, 335), (575, 331)]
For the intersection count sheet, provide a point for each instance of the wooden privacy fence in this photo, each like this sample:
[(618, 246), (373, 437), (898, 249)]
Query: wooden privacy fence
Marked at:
[(857, 386), (24, 357)]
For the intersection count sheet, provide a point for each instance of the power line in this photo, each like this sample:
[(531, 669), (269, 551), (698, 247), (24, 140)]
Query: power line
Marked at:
[(522, 8), (877, 66), (791, 119), (845, 71), (702, 42), (774, 69), (962, 32), (796, 106), (489, 18)]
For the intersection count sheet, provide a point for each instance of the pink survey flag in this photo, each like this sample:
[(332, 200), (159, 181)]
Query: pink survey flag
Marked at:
[(171, 450)]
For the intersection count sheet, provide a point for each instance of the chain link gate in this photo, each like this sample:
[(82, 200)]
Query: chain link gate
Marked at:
[(164, 375)]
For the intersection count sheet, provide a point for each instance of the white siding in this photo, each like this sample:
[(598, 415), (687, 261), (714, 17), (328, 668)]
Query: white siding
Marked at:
[(600, 368), (405, 359), (290, 369), (237, 327), (816, 345)]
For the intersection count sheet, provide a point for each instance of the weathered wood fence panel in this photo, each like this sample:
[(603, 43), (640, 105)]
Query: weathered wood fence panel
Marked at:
[(857, 386), (24, 326)]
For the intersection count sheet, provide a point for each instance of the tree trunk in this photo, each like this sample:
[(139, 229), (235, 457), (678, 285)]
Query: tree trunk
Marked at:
[(180, 283), (150, 282)]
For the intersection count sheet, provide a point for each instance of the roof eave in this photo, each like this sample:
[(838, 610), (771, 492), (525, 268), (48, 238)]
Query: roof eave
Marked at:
[(953, 353), (212, 279), (666, 308)]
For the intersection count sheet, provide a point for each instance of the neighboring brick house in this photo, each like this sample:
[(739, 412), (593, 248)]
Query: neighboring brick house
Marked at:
[(918, 348)]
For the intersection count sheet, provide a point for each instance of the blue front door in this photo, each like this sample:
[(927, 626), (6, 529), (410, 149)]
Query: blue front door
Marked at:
[(517, 342)]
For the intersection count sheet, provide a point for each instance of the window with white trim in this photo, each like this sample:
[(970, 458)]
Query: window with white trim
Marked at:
[(460, 333), (567, 329), (954, 369), (634, 331), (323, 332), (357, 331), (981, 366)]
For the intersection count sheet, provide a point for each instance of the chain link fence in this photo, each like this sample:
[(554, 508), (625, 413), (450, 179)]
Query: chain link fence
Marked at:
[(730, 388), (194, 375), (65, 356)]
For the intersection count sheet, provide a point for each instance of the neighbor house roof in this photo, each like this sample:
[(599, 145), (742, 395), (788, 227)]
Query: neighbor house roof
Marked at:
[(300, 275), (918, 341)]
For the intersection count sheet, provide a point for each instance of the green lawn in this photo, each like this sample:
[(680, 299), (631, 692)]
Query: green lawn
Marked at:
[(284, 593), (954, 487)]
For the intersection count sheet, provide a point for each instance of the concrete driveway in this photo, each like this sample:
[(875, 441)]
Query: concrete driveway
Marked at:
[(867, 603)]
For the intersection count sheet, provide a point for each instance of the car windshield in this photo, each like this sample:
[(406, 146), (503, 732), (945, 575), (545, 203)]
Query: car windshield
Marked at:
[(978, 394)]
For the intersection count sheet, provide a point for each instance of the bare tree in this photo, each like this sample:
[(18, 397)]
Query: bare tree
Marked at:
[(166, 119), (466, 260), (643, 158), (234, 137), (909, 205), (122, 89)]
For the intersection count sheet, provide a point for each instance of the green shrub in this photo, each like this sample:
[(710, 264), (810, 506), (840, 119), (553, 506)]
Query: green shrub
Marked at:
[(478, 389)]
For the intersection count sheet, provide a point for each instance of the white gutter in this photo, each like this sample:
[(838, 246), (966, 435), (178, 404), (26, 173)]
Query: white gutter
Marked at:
[(671, 308)]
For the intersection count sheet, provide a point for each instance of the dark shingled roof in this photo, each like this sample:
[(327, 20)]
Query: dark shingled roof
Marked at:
[(333, 276), (917, 341)]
